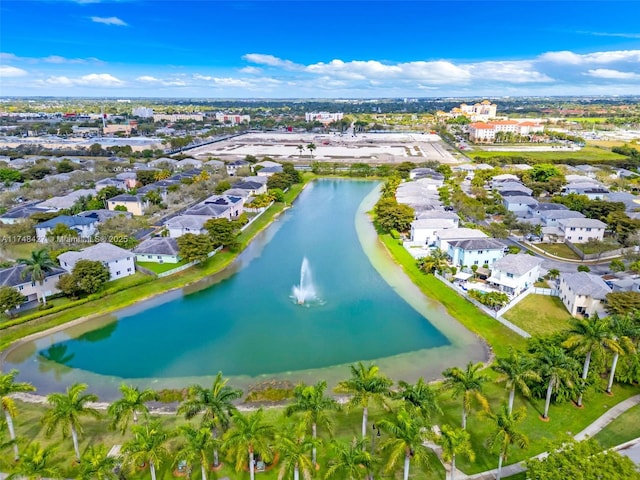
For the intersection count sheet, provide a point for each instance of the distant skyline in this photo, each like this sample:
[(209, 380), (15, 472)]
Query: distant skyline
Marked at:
[(318, 49)]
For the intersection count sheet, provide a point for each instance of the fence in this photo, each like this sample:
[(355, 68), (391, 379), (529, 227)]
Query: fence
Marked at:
[(187, 265), (488, 311), (262, 210), (551, 292), (597, 256)]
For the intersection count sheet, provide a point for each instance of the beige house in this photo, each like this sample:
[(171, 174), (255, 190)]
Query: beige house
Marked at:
[(583, 293), (12, 277), (135, 204)]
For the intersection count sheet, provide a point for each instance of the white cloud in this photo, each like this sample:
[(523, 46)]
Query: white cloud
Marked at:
[(8, 71), (593, 58), (110, 21), (162, 82), (612, 74), (251, 70), (509, 72), (271, 61), (90, 80)]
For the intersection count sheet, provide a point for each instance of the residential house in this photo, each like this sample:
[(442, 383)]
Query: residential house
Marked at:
[(135, 204), (188, 164), (104, 214), (110, 182), (513, 274), (537, 210), (163, 163), (505, 177), (550, 218), (513, 186), (14, 277), (218, 206), (268, 171), (519, 205), (158, 250), (55, 204), (593, 190), (182, 224), (20, 213), (130, 179), (443, 237), (119, 261), (478, 251), (583, 293), (85, 227), (631, 202), (421, 172), (233, 167), (423, 232), (254, 188), (265, 164), (581, 230)]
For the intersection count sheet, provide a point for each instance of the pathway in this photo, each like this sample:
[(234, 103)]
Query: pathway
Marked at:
[(601, 422)]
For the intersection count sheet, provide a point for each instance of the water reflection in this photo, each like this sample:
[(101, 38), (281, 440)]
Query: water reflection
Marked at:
[(55, 359), (101, 333)]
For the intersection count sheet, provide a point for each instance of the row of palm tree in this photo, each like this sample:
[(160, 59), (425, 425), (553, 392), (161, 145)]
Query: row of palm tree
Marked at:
[(311, 147), (550, 366)]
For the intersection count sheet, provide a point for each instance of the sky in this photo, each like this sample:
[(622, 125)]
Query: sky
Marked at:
[(318, 49)]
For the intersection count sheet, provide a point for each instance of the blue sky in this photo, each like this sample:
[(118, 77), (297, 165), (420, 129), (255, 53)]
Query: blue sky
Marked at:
[(318, 49)]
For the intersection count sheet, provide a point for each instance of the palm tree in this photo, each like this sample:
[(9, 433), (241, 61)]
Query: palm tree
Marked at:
[(558, 369), (455, 441), (311, 147), (198, 442), (148, 446), (437, 261), (216, 405), (407, 436), (35, 463), (8, 386), (133, 401), (591, 336), (626, 331), (467, 383), (311, 402), (516, 369), (366, 384), (37, 267), (249, 435), (301, 148), (293, 448), (349, 461), (505, 433), (419, 398), (96, 464), (67, 410)]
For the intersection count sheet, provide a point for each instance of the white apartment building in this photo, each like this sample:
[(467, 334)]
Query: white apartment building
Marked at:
[(323, 117), (485, 132), (174, 117), (232, 118)]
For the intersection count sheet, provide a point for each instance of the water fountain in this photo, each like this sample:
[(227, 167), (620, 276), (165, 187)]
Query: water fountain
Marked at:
[(305, 291)]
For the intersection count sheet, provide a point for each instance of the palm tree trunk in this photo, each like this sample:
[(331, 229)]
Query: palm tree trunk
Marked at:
[(499, 467), (464, 418), (296, 472), (135, 416), (42, 295), (548, 400), (74, 436), (407, 461), (251, 471), (453, 467), (214, 435), (203, 470), (512, 395), (152, 469), (614, 364), (585, 372), (12, 434), (313, 451), (365, 416)]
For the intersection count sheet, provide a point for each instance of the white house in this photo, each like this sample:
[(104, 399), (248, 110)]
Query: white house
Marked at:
[(423, 230), (85, 227), (119, 261), (181, 224), (443, 237), (218, 206), (519, 204), (514, 274), (479, 251), (583, 293), (581, 230), (158, 250), (232, 167), (551, 218)]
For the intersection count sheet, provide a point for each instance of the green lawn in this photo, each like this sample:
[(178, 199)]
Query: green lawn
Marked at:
[(587, 155), (558, 249), (161, 267), (539, 315), (624, 428)]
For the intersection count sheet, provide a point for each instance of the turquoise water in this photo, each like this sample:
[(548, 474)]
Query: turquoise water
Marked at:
[(246, 323)]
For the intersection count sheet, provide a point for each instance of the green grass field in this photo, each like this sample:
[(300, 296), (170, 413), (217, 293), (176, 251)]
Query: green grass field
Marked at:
[(161, 267), (559, 250), (588, 154), (624, 428), (539, 315)]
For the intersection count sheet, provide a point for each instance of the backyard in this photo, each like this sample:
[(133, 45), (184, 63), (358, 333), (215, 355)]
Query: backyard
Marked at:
[(539, 315)]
